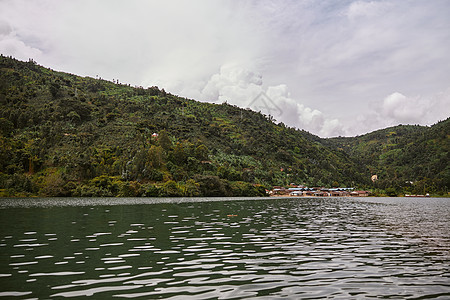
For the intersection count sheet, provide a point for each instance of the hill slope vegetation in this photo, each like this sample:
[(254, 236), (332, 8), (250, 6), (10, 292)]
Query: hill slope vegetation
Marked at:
[(66, 135), (406, 158)]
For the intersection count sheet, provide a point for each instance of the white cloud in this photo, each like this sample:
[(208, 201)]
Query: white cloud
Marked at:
[(5, 29), (233, 84), (398, 108), (332, 63), (239, 86), (345, 63), (298, 115), (366, 9), (11, 44)]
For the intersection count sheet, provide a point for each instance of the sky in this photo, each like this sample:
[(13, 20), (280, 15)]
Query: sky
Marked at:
[(333, 68)]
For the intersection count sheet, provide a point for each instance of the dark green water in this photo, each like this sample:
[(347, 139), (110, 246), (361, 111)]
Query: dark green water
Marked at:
[(301, 248)]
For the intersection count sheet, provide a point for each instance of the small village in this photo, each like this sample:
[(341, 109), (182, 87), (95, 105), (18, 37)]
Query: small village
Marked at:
[(303, 191)]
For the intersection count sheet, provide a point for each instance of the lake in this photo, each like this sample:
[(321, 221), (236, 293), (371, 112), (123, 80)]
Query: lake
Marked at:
[(225, 248)]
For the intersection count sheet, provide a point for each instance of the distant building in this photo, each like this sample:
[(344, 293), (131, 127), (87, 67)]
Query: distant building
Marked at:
[(320, 194), (316, 192), (360, 193)]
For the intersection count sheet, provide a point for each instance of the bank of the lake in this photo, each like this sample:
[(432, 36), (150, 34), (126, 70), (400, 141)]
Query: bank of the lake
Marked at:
[(227, 248)]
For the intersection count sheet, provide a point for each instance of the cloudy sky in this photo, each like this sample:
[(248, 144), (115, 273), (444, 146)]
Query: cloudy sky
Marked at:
[(329, 67)]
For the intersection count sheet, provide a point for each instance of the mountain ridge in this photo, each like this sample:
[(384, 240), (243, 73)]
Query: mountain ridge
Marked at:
[(66, 135)]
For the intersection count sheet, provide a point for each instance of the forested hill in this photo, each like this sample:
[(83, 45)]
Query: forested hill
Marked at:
[(65, 135), (406, 158)]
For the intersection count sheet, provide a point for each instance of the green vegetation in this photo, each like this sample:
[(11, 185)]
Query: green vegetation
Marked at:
[(65, 135), (406, 159)]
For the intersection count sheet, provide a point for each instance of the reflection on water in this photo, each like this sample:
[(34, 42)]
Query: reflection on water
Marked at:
[(302, 248)]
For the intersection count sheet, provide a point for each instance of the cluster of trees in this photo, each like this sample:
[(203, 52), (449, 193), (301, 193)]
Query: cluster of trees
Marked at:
[(65, 135)]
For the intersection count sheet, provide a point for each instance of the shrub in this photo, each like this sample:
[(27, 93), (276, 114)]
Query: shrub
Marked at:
[(150, 190), (170, 189)]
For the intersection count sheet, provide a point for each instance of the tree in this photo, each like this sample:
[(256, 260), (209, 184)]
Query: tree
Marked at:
[(191, 188), (201, 153), (179, 155), (211, 186), (53, 183), (55, 89), (391, 192), (73, 116), (155, 157), (6, 127), (170, 189), (164, 140)]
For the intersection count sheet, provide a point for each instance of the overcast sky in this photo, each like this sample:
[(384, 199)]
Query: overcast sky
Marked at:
[(329, 67)]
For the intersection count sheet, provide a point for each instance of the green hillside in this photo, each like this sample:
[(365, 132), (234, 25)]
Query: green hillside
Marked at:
[(65, 135), (410, 159)]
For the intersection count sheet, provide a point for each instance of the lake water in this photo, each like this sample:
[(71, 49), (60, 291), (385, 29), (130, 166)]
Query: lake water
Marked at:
[(296, 248)]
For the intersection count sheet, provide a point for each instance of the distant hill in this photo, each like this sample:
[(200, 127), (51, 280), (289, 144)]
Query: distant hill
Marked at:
[(66, 135), (407, 158)]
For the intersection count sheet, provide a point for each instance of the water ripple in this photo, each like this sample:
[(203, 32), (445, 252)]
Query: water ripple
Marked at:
[(261, 249)]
